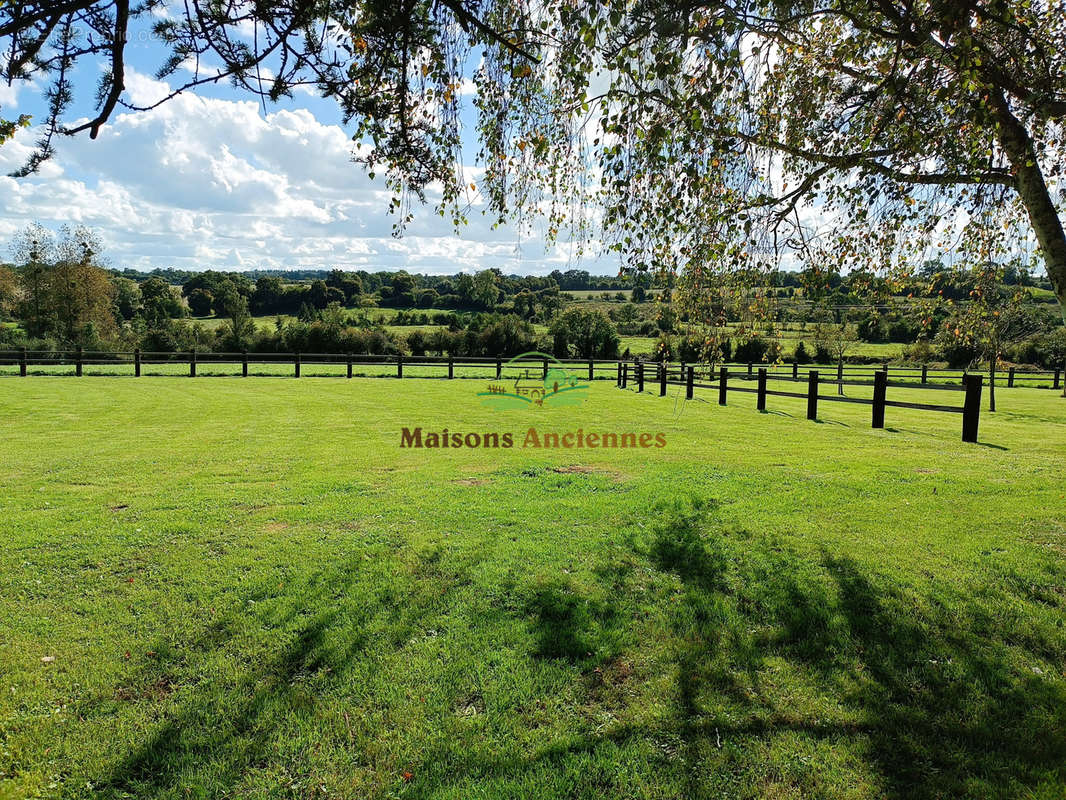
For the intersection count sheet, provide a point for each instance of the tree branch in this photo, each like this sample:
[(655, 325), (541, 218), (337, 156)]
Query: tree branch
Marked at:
[(467, 19), (118, 71)]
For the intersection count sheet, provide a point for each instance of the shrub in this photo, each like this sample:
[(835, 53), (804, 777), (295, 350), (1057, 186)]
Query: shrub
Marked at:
[(921, 352), (201, 302), (754, 350), (872, 328), (954, 351), (507, 336), (665, 348), (416, 343), (801, 356), (903, 330), (584, 334), (1047, 350)]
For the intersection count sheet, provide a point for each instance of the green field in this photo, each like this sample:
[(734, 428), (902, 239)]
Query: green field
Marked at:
[(595, 294), (246, 588)]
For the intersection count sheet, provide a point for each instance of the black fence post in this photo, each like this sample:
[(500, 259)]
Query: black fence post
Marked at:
[(640, 376), (499, 368), (880, 390), (840, 372), (136, 362), (925, 373), (625, 374), (592, 368), (244, 363), (971, 411), (761, 403), (1055, 385), (1010, 378), (545, 373), (296, 364), (349, 365), (399, 366), (77, 365), (689, 377), (22, 362), (451, 367), (723, 381), (812, 394), (795, 370), (749, 369), (192, 363), (662, 379)]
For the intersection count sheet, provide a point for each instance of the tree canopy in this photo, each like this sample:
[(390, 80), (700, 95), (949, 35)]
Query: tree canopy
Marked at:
[(702, 139)]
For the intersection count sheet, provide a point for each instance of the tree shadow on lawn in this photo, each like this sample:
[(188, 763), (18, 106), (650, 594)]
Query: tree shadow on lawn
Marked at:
[(772, 655), (776, 657), (230, 723), (946, 695), (938, 696)]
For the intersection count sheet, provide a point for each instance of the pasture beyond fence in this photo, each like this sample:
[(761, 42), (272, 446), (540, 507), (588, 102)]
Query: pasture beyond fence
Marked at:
[(724, 378)]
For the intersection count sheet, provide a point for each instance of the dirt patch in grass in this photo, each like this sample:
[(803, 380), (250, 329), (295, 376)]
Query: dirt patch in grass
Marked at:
[(614, 672), (471, 481), (275, 527), (119, 507), (470, 706), (157, 690), (584, 469)]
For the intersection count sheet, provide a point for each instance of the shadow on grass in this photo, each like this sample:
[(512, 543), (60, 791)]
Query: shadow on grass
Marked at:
[(227, 734), (783, 674), (568, 625), (942, 699), (947, 701)]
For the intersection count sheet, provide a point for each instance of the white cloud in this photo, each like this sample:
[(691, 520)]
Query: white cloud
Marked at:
[(204, 182)]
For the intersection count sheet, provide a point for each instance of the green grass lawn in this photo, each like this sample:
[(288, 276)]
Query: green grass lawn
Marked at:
[(246, 588)]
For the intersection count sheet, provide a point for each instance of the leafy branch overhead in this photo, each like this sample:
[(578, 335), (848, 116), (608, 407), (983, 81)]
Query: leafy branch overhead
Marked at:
[(694, 138)]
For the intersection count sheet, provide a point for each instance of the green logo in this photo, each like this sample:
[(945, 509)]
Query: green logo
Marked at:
[(534, 380)]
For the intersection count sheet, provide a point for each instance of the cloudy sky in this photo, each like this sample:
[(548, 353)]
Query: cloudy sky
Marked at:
[(217, 181)]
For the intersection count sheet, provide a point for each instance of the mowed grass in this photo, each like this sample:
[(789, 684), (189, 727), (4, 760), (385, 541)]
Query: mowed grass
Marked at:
[(246, 588)]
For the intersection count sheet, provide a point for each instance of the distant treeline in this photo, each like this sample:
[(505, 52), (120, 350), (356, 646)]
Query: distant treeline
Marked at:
[(568, 280)]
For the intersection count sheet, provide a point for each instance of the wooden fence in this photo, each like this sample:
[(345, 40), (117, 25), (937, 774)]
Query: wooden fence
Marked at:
[(190, 362), (664, 376), (840, 375), (725, 378)]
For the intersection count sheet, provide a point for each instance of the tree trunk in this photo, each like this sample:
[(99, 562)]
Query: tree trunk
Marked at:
[(1018, 146), (992, 382)]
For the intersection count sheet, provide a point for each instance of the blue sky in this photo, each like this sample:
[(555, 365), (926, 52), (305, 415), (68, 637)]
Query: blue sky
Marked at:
[(215, 180)]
